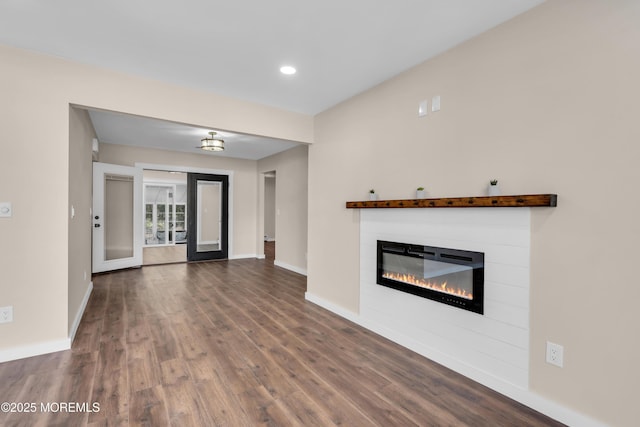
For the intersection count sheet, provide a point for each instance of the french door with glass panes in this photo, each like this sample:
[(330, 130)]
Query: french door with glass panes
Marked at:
[(208, 198), (117, 231)]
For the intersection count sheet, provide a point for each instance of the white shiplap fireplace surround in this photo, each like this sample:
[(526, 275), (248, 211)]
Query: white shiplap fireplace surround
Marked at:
[(490, 348)]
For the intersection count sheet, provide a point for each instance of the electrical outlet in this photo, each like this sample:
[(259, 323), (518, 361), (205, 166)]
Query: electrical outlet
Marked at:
[(555, 354), (6, 314)]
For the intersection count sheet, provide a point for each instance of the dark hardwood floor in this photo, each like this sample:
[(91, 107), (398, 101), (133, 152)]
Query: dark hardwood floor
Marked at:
[(234, 343)]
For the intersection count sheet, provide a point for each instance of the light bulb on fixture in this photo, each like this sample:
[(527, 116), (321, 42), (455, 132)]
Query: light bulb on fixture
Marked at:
[(212, 143), (288, 70)]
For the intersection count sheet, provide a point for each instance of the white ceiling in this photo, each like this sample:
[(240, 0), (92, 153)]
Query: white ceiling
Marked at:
[(235, 48), (125, 129)]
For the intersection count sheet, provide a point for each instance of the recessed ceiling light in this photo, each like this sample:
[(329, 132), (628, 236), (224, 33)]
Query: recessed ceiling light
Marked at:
[(287, 69)]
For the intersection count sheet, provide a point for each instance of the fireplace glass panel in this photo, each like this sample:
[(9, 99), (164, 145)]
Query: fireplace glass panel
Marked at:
[(435, 275), (450, 276)]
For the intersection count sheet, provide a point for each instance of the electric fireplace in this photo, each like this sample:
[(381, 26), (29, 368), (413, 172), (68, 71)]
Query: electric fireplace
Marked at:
[(450, 276)]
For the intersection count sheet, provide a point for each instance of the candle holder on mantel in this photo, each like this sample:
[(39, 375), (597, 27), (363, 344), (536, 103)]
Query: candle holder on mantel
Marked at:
[(493, 189)]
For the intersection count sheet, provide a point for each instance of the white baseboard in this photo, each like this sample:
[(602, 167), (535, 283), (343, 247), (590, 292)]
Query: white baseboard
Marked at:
[(78, 318), (261, 256), (525, 397), (340, 311), (34, 350), (290, 267), (270, 239), (243, 256)]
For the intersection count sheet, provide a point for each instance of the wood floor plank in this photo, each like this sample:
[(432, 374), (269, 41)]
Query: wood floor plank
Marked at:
[(223, 405), (234, 343), (162, 332), (143, 366), (303, 411), (120, 420), (421, 411), (263, 410), (148, 408), (112, 389), (185, 405)]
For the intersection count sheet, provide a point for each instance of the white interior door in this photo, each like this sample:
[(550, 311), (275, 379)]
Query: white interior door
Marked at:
[(117, 217)]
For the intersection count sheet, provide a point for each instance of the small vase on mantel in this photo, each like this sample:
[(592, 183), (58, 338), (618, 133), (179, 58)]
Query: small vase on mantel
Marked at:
[(373, 195), (493, 188), (421, 193)]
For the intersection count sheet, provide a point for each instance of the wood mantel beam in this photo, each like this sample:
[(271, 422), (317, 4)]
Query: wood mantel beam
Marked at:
[(527, 200)]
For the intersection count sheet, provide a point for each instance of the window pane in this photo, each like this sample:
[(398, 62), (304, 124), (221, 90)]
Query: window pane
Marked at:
[(161, 217), (118, 221), (148, 222), (181, 217)]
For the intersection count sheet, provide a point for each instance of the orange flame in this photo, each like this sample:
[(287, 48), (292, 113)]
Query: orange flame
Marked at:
[(423, 283)]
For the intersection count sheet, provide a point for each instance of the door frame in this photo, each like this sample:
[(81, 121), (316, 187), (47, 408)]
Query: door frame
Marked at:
[(190, 169), (193, 191)]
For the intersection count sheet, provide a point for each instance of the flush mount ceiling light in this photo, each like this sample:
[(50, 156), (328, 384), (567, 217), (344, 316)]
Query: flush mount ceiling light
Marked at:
[(212, 143), (287, 69)]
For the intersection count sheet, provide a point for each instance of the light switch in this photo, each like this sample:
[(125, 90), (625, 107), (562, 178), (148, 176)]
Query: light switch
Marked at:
[(5, 210), (435, 103), (422, 109)]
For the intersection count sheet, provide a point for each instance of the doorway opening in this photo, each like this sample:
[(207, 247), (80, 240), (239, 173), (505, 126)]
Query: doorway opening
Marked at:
[(270, 215), (165, 217), (186, 207)]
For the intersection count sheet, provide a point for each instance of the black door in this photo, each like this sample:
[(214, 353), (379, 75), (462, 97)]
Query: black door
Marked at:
[(208, 216)]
